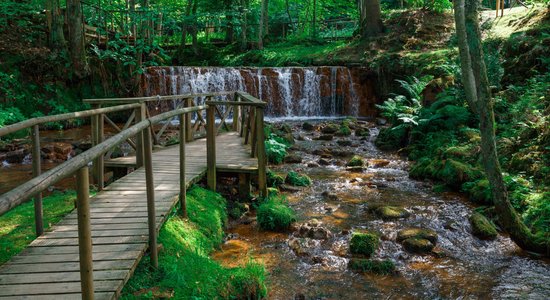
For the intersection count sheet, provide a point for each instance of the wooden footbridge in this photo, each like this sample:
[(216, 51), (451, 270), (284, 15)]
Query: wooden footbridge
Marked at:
[(94, 250)]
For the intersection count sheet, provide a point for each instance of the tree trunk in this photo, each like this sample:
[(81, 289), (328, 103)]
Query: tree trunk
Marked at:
[(229, 30), (370, 17), (314, 20), (56, 38), (243, 25), (265, 16), (262, 26), (185, 27), (475, 79), (194, 30), (76, 38), (289, 15)]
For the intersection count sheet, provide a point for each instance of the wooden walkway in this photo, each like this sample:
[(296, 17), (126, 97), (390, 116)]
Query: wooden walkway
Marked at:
[(49, 267)]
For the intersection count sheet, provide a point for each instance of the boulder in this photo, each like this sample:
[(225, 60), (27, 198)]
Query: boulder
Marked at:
[(329, 196), (308, 126), (330, 128), (378, 163), (392, 212), (326, 137), (382, 267), (418, 233), (418, 245), (364, 243), (293, 159), (356, 161), (313, 230), (482, 227), (324, 162), (344, 143)]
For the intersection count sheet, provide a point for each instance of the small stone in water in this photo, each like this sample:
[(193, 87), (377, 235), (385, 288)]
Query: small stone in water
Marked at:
[(329, 195)]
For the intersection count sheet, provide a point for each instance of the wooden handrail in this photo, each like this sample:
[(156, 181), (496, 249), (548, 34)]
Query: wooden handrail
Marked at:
[(152, 98), (36, 185), (62, 117)]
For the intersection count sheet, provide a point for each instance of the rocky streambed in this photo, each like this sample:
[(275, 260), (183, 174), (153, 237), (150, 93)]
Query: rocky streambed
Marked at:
[(426, 235)]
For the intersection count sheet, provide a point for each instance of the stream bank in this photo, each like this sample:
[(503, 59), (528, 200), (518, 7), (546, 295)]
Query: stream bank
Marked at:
[(342, 202)]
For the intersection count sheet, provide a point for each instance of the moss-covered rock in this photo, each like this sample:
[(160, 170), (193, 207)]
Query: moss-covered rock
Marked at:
[(275, 215), (392, 138), (455, 172), (273, 179), (364, 243), (482, 228), (330, 128), (295, 179), (419, 233), (382, 267), (362, 132), (418, 245), (307, 126), (478, 191), (356, 161), (391, 212), (343, 131)]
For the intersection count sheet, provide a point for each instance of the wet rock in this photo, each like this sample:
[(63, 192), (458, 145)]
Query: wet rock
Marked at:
[(329, 196), (482, 227), (298, 245), (308, 126), (299, 297), (321, 152), (290, 188), (16, 156), (418, 233), (381, 121), (324, 162), (362, 132), (331, 208), (313, 164), (378, 163), (392, 212), (355, 169), (356, 161), (330, 128), (313, 230), (342, 153), (344, 143), (288, 137), (418, 245), (285, 128), (326, 137), (364, 243), (293, 159)]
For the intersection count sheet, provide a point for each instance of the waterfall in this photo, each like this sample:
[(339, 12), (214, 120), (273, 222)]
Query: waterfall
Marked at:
[(289, 91)]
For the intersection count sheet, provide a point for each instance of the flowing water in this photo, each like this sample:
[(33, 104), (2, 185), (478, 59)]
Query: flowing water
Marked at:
[(464, 267)]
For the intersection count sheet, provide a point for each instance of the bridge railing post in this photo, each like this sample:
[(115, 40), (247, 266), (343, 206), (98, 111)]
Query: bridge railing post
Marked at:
[(188, 127), (140, 116), (84, 234), (183, 186), (236, 112), (260, 148), (150, 187), (36, 171), (211, 147)]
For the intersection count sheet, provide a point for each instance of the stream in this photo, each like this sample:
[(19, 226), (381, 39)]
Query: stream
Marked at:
[(460, 267)]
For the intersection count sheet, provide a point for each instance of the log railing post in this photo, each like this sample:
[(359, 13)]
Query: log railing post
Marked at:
[(101, 158), (183, 185), (140, 116), (84, 234), (253, 131), (93, 133), (262, 160), (150, 187), (236, 110), (188, 127), (36, 171), (211, 147)]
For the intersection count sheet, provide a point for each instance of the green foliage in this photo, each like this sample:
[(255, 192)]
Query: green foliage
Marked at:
[(275, 150), (185, 266), (275, 214), (435, 5), (11, 115), (537, 214), (344, 131), (392, 138), (356, 161), (296, 179), (381, 267), (17, 229), (274, 179), (364, 243)]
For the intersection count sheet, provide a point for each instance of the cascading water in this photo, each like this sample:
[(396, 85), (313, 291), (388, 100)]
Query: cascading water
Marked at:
[(289, 92)]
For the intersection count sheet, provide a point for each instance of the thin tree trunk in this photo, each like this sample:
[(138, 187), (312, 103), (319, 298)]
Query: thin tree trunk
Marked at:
[(56, 38), (76, 38), (265, 13), (185, 28), (469, 35), (243, 25), (229, 30), (262, 26), (288, 13), (370, 17), (314, 20), (194, 30)]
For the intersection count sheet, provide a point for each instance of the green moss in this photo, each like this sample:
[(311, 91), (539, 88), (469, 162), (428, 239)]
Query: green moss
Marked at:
[(274, 179), (419, 233), (356, 161), (392, 138), (364, 243), (330, 128), (392, 212), (293, 178), (343, 131), (455, 173), (17, 229), (478, 191), (361, 131), (537, 215), (382, 267), (482, 228), (275, 214), (184, 264)]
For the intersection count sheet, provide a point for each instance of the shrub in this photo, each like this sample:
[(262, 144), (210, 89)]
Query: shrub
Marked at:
[(382, 267), (275, 151), (273, 179), (295, 179), (275, 215), (364, 243)]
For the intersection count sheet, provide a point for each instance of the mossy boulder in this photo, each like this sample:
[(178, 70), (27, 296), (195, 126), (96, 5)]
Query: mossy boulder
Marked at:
[(392, 212), (326, 137), (382, 267), (344, 143), (295, 179), (364, 243), (419, 233), (356, 161), (343, 131), (330, 128), (418, 245), (273, 179), (308, 126), (455, 172), (275, 215), (362, 132), (482, 227)]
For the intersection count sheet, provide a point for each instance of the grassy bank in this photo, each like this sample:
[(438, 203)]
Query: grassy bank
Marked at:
[(185, 269), (17, 226)]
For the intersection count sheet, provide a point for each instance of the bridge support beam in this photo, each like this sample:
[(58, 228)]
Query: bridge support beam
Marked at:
[(262, 159), (84, 234), (150, 187), (183, 187), (36, 171)]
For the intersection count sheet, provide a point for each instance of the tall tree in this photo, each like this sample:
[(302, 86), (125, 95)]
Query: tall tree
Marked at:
[(370, 17), (56, 38), (263, 25), (478, 95), (229, 19), (185, 27), (244, 10), (76, 38)]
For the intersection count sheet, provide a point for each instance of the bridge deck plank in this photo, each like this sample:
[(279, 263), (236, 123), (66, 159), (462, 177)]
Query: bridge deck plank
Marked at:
[(49, 268)]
